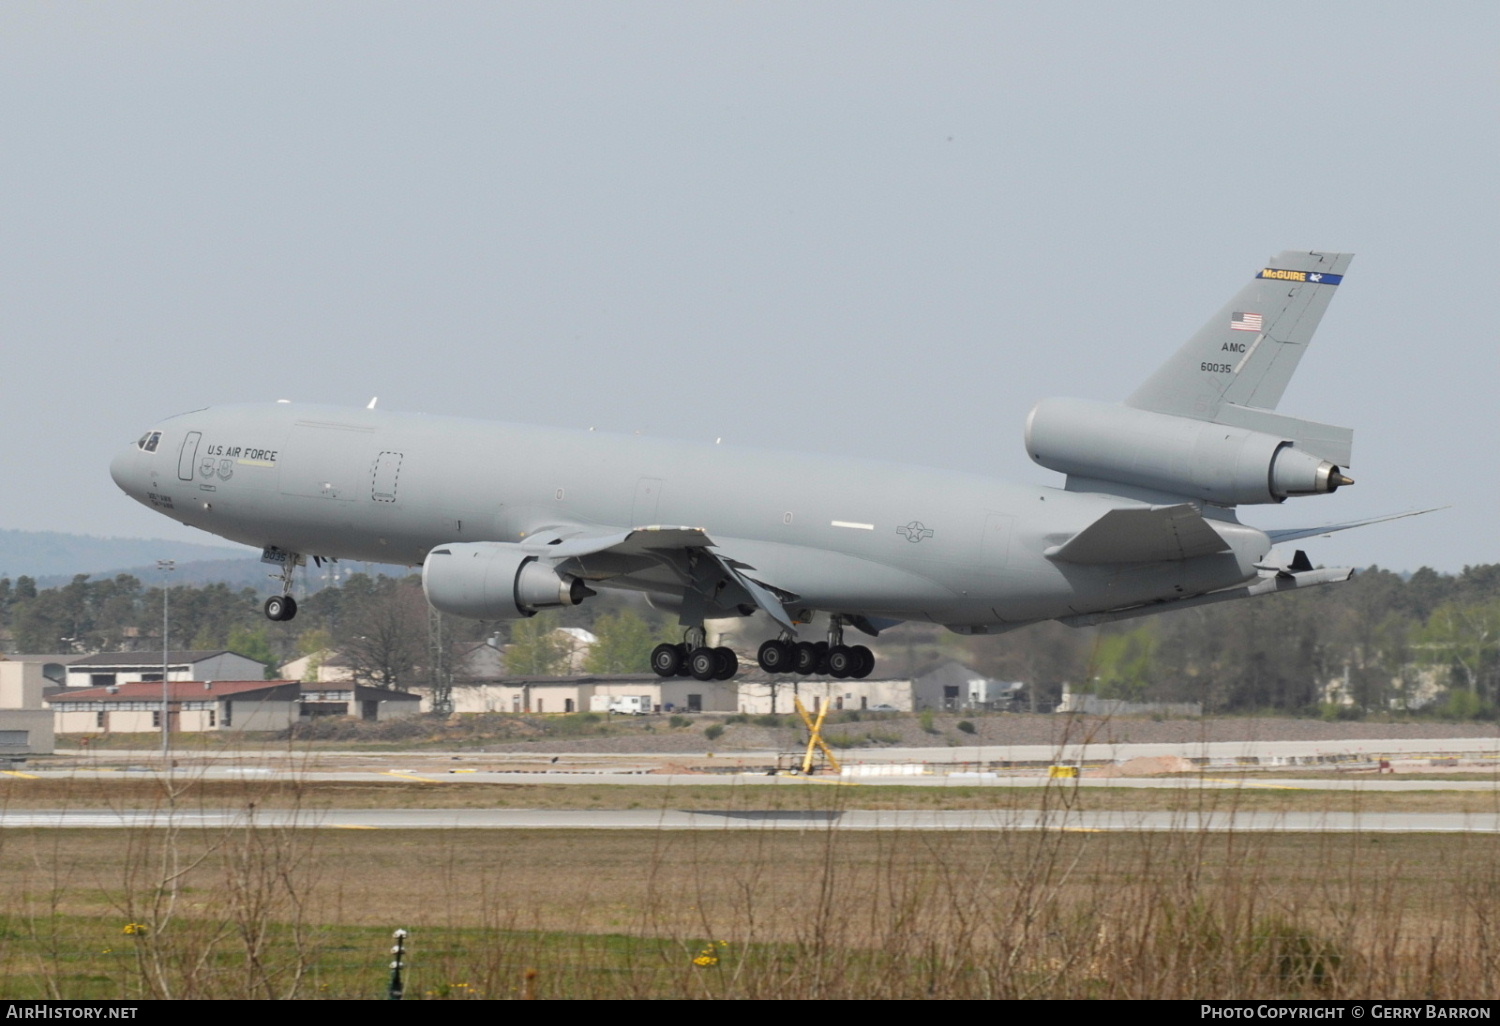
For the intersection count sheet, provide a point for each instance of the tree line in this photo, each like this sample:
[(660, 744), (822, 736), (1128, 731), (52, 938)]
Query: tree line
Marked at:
[(380, 626), (1382, 641)]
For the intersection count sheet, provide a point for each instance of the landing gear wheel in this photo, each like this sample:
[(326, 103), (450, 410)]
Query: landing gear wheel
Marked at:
[(666, 660), (726, 663), (822, 649), (864, 662), (683, 669), (777, 657), (807, 657), (280, 608), (702, 664), (842, 661)]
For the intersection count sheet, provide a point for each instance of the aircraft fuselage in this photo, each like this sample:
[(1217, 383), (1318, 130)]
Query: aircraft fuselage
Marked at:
[(853, 537)]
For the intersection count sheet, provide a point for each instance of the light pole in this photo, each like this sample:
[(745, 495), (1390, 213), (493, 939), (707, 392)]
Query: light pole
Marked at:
[(166, 566)]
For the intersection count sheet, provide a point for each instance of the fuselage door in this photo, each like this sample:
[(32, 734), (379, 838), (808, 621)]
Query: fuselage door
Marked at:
[(647, 502), (995, 548), (387, 474), (187, 460)]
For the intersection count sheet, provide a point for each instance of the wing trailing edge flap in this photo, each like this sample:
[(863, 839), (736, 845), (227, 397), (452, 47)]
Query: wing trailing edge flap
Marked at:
[(763, 596), (1148, 535), (660, 543), (1270, 582)]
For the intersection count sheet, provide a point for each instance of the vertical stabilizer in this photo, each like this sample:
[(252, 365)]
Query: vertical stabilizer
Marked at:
[(1246, 354)]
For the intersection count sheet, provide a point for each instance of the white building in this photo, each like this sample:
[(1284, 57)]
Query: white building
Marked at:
[(25, 720), (581, 694), (324, 666), (759, 695), (112, 668), (953, 687), (135, 708), (196, 706)]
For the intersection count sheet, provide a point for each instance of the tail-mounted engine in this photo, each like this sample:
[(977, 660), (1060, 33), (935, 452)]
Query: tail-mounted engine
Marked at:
[(495, 581), (1218, 463)]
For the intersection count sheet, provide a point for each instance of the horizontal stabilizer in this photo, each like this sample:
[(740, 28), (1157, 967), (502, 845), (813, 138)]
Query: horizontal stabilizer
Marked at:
[(1325, 441), (1157, 534), (1296, 533)]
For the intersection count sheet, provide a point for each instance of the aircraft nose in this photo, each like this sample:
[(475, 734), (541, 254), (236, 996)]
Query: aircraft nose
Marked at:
[(122, 468)]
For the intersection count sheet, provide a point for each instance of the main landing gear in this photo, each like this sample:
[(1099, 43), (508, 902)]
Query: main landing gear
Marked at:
[(693, 658), (833, 657), (283, 607)]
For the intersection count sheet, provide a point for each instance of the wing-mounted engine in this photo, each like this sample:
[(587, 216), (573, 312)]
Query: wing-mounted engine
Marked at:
[(1224, 464), (496, 581)]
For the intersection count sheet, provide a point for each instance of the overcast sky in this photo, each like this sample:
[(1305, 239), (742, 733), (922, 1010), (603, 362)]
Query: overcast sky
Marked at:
[(881, 229)]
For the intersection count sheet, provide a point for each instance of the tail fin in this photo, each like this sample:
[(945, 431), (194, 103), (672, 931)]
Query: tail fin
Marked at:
[(1246, 354), (1202, 426)]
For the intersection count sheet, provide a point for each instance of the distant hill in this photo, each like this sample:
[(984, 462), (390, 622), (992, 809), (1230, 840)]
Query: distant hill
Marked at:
[(54, 554), (237, 573)]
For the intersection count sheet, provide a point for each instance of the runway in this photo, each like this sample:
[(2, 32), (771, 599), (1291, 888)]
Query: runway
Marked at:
[(1344, 783), (810, 821)]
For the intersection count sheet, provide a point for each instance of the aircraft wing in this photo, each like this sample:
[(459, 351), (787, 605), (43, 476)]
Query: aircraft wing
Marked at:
[(1155, 534), (623, 551), (639, 541)]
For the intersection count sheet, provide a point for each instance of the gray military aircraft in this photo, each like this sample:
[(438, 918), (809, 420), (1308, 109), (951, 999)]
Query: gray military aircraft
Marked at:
[(506, 520)]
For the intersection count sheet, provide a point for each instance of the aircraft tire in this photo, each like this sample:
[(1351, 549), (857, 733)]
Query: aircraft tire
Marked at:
[(702, 664), (777, 657), (864, 662), (280, 608), (666, 660), (726, 663), (842, 662), (822, 649), (806, 657)]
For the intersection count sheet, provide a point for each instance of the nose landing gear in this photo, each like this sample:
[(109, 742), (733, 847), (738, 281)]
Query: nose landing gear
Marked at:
[(280, 608)]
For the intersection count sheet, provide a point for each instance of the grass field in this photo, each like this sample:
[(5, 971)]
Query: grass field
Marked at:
[(140, 791), (262, 913), (265, 912)]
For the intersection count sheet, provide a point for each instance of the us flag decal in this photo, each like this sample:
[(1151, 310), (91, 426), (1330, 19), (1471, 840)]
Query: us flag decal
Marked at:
[(1246, 321)]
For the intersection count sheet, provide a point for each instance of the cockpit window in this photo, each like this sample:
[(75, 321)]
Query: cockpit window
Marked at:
[(148, 441)]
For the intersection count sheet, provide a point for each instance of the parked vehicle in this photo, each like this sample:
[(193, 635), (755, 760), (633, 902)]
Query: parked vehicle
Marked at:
[(630, 705)]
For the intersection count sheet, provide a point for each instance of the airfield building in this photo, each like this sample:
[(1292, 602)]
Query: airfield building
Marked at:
[(540, 694), (196, 706), (26, 726), (111, 668)]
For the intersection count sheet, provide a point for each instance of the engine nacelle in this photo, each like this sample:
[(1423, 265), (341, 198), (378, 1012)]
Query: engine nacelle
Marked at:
[(495, 581), (1199, 459)]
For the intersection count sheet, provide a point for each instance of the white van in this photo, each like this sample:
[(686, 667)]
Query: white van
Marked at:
[(630, 705)]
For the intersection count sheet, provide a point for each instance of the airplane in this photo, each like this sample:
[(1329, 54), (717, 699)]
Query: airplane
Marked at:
[(506, 520)]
